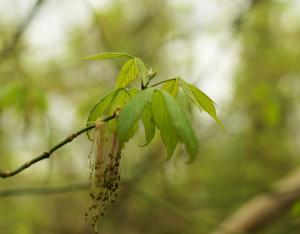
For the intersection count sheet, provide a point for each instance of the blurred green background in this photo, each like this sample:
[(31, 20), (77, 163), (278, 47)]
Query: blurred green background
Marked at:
[(244, 54)]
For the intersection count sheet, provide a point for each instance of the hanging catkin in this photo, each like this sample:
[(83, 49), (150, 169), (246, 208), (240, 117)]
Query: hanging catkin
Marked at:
[(104, 166)]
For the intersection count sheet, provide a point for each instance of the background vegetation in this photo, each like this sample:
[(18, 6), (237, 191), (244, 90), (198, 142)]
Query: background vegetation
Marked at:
[(244, 54)]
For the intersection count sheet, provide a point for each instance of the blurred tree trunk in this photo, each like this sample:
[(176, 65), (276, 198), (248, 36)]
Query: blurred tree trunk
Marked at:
[(263, 209), (269, 57)]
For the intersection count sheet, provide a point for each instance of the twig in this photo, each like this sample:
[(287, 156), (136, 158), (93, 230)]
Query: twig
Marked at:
[(46, 155), (22, 28), (45, 190)]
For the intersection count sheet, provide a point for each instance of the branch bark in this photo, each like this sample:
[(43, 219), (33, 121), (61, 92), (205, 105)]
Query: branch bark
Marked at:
[(262, 209), (46, 155)]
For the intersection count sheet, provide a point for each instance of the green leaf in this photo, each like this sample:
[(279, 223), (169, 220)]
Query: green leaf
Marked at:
[(149, 124), (108, 55), (119, 101), (100, 108), (171, 86), (142, 71), (181, 123), (127, 74), (163, 122), (108, 104), (201, 100), (131, 113)]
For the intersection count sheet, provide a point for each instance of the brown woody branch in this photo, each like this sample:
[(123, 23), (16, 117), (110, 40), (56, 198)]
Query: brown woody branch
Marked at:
[(263, 209), (46, 155)]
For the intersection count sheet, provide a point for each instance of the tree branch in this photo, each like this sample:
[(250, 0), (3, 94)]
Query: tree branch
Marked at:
[(46, 155), (45, 190), (22, 28), (262, 209)]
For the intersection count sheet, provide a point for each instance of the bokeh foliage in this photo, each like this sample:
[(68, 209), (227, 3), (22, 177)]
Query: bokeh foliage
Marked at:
[(44, 99)]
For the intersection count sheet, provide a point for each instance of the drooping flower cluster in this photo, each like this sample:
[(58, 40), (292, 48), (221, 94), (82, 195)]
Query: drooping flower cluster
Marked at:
[(104, 166)]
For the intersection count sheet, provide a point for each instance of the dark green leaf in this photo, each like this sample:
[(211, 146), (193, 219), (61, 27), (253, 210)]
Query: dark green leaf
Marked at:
[(130, 114), (108, 55), (181, 123), (164, 123), (149, 124), (127, 74)]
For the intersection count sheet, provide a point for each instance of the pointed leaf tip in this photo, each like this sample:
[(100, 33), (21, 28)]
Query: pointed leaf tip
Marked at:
[(107, 55)]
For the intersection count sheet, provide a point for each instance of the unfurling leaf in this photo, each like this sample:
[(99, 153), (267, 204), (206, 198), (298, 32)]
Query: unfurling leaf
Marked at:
[(201, 100), (127, 74), (142, 71), (131, 113), (108, 55), (171, 86)]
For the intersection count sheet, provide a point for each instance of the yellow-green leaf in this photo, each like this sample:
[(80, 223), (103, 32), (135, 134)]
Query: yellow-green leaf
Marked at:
[(107, 55), (142, 71), (127, 74), (171, 86), (201, 100), (108, 104)]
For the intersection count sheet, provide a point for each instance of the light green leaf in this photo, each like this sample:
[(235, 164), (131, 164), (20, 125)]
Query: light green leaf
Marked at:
[(164, 123), (108, 104), (142, 71), (181, 123), (127, 74), (171, 87), (108, 55), (201, 100), (149, 124), (131, 113), (118, 102)]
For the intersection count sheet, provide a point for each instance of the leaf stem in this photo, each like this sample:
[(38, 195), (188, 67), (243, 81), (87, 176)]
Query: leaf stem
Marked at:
[(161, 82)]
